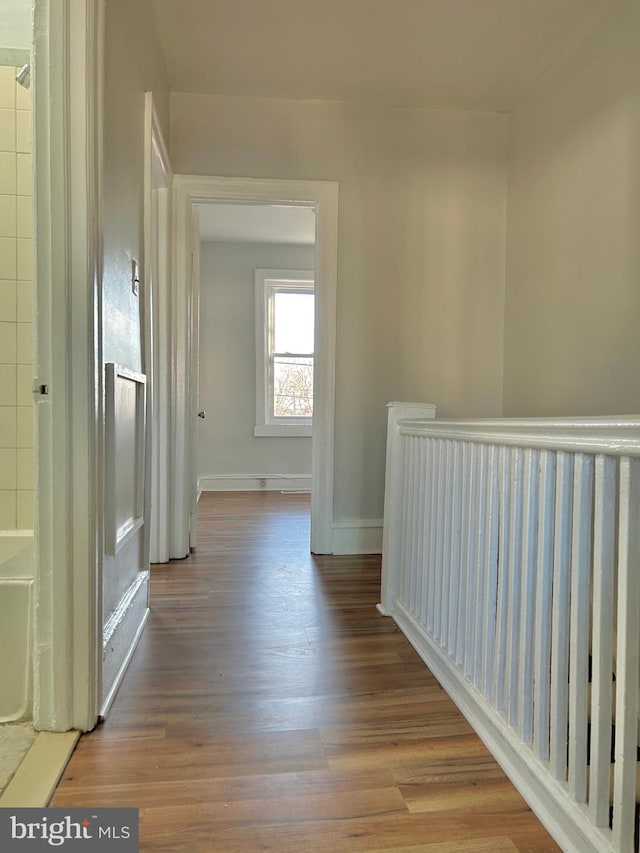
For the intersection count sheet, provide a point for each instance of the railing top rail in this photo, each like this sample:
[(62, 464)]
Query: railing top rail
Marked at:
[(614, 435)]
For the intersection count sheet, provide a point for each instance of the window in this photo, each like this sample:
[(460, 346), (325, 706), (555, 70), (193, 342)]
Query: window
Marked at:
[(285, 305)]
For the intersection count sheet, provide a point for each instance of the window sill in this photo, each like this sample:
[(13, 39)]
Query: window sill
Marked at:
[(283, 430)]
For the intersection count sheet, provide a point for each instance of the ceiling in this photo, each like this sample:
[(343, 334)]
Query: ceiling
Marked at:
[(257, 223), (465, 54)]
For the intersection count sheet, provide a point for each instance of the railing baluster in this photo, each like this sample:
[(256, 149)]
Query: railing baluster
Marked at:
[(544, 571), (470, 557), (419, 534), (462, 587), (413, 526), (475, 663), (437, 622), (433, 514), (491, 570), (503, 578), (602, 645), (515, 586), (417, 520), (528, 599), (456, 535), (422, 531), (580, 628), (560, 618), (446, 545)]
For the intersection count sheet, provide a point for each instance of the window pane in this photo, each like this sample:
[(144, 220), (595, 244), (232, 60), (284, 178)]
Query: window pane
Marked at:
[(292, 387), (293, 322)]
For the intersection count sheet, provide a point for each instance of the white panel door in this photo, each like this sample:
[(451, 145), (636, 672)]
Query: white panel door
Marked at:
[(125, 576)]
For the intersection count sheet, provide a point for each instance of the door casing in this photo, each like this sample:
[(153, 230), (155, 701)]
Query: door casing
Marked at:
[(67, 74), (322, 197), (157, 329)]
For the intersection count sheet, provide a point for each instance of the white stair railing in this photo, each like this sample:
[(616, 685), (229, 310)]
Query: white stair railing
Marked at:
[(511, 561)]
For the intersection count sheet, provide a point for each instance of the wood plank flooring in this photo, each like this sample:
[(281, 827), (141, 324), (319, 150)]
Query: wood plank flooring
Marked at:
[(270, 707)]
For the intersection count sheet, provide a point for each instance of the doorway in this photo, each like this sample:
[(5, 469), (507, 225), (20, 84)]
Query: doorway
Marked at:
[(321, 198), (256, 348)]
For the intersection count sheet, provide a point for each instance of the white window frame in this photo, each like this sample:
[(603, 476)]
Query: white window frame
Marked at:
[(270, 281)]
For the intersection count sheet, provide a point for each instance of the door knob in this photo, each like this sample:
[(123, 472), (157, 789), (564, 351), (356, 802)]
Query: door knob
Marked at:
[(202, 414)]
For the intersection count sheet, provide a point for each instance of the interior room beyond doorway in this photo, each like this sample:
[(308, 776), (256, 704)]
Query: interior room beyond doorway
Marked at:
[(256, 347)]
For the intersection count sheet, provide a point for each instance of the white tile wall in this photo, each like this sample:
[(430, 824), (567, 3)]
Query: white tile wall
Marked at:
[(16, 273), (8, 386), (8, 468), (8, 509), (8, 257), (23, 431), (24, 177), (24, 302), (8, 172), (8, 128), (8, 338), (8, 216), (7, 87), (24, 226), (9, 427)]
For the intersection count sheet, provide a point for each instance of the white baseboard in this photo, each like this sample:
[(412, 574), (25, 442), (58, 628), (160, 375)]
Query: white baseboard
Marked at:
[(121, 634), (252, 483), (357, 536), (117, 681)]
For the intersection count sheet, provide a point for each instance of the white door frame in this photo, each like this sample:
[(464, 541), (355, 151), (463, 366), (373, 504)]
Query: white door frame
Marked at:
[(157, 331), (195, 373), (322, 197), (68, 108)]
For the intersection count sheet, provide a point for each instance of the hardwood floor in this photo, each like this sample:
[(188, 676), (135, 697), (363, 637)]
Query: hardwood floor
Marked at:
[(269, 706)]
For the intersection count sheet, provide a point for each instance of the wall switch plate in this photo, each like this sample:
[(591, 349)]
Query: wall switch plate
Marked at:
[(135, 277)]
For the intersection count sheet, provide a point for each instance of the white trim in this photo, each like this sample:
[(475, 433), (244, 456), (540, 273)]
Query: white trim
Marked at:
[(121, 635), (283, 430), (68, 107), (155, 141), (157, 327), (181, 364), (321, 196), (194, 376), (117, 681), (613, 436), (252, 483), (357, 536), (121, 610), (117, 537), (266, 425)]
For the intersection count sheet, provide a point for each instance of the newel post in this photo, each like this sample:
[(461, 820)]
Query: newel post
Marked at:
[(393, 489)]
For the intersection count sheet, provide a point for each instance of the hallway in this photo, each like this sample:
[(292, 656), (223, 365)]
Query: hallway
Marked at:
[(269, 706)]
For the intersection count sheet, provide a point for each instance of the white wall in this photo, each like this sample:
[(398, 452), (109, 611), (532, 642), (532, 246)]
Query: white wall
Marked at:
[(421, 251), (573, 275), (226, 444), (133, 65), (15, 26)]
